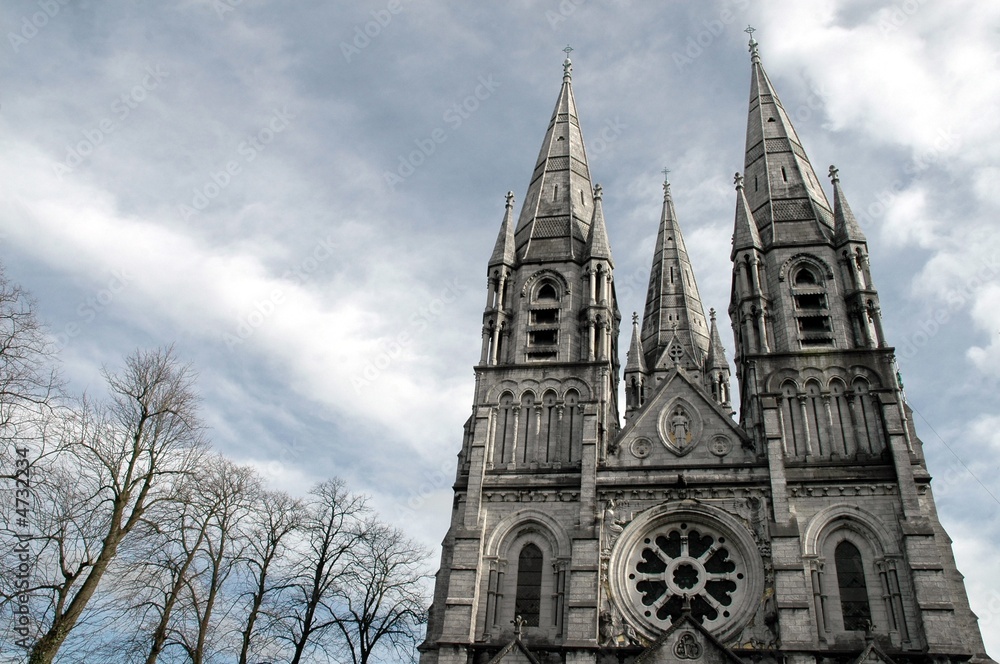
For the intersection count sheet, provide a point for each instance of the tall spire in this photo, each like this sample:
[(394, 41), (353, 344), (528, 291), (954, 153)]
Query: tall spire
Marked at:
[(559, 205), (782, 189), (673, 305), (846, 228), (503, 251)]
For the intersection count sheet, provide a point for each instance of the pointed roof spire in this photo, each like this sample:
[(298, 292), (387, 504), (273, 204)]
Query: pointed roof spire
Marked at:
[(846, 227), (745, 235), (503, 251), (597, 242), (635, 361), (555, 218), (673, 305), (716, 351), (782, 188)]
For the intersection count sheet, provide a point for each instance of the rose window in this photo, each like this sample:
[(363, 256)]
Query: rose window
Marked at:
[(686, 560)]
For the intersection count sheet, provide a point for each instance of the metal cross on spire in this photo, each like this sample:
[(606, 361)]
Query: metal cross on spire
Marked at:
[(568, 50), (666, 172), (567, 64), (753, 42)]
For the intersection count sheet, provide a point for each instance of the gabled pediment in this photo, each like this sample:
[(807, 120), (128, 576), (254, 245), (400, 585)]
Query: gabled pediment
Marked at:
[(687, 640), (514, 652), (680, 421)]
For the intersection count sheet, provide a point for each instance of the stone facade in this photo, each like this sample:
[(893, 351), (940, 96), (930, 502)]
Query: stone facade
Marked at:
[(804, 531)]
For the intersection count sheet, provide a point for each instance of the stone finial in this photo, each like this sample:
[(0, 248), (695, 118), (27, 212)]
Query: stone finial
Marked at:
[(567, 63), (834, 174), (635, 318), (711, 314), (738, 180), (510, 199), (518, 623), (598, 192)]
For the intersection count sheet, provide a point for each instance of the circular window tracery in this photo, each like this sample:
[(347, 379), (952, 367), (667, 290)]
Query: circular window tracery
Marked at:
[(672, 560)]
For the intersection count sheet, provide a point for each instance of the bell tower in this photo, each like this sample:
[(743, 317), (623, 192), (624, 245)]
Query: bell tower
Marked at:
[(802, 532), (858, 552), (520, 557)]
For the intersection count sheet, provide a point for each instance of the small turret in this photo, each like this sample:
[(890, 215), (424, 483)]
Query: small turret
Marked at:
[(717, 368), (635, 373)]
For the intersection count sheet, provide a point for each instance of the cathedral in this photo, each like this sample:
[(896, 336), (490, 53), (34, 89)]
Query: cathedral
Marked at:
[(802, 530)]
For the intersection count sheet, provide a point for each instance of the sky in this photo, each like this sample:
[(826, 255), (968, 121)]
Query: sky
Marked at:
[(302, 198)]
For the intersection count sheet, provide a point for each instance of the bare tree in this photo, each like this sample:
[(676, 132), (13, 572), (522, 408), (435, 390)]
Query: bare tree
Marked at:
[(226, 497), (28, 378), (121, 459), (382, 603), (332, 525), (275, 522)]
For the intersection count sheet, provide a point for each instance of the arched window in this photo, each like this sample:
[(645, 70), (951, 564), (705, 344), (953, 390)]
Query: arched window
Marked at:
[(812, 314), (528, 426), (503, 442), (549, 427), (543, 324), (841, 415), (854, 604), (790, 420), (528, 602), (573, 425), (547, 292), (805, 277)]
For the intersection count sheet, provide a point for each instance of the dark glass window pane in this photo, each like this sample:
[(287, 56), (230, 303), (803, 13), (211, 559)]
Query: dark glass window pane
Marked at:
[(853, 590), (529, 585)]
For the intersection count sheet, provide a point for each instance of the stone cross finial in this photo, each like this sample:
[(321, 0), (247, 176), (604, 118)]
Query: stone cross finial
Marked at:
[(635, 318), (834, 173), (510, 199), (738, 180), (518, 623), (598, 192), (711, 314)]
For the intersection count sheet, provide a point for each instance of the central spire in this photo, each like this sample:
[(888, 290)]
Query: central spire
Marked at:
[(559, 204), (674, 315)]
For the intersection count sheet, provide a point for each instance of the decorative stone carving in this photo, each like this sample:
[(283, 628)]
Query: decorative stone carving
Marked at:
[(640, 448), (679, 426), (687, 647), (720, 446)]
